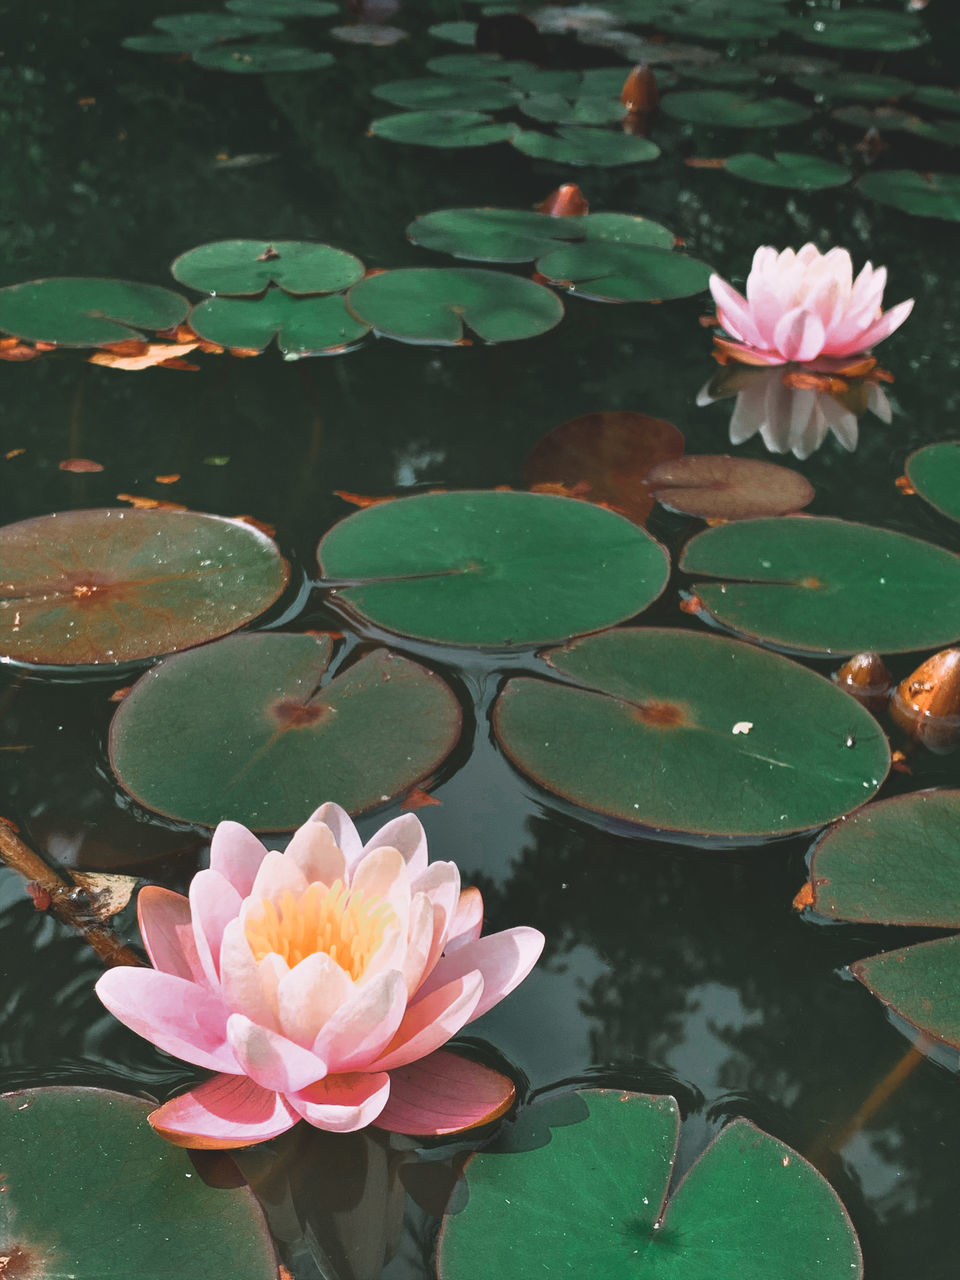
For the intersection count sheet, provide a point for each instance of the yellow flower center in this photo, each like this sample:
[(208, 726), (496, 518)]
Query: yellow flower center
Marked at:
[(341, 922)]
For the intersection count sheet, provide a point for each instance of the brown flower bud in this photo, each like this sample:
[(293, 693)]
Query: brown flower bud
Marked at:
[(866, 678), (927, 704), (640, 92)]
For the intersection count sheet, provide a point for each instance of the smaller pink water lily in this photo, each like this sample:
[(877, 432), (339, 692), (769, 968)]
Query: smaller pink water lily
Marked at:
[(320, 984), (803, 305)]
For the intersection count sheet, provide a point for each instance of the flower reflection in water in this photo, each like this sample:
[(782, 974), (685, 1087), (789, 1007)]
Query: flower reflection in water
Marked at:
[(794, 407)]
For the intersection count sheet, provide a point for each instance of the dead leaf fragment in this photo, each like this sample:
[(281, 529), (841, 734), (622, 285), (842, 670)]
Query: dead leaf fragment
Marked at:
[(148, 356), (804, 897), (108, 894), (80, 465), (417, 799), (170, 479), (150, 504), (13, 453)]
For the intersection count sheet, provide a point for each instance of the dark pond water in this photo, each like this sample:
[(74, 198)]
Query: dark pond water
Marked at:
[(667, 968)]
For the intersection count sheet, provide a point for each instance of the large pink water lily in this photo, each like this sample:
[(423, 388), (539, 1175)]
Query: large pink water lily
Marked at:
[(803, 305), (320, 984)]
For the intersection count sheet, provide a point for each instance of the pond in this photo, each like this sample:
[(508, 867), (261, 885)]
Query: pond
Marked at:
[(676, 963)]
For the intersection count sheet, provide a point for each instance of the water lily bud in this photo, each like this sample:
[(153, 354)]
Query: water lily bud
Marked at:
[(866, 678), (567, 201), (640, 92), (927, 704)]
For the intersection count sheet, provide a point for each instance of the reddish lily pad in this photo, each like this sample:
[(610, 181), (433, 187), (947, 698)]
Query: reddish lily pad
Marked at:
[(491, 568), (716, 486), (107, 586), (80, 311), (815, 585), (690, 733), (750, 1208), (87, 1184), (242, 268), (365, 734), (604, 458), (934, 472)]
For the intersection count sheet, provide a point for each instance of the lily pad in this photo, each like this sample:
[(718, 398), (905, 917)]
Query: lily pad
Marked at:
[(368, 733), (539, 80), (887, 119), (691, 734), (84, 311), (750, 1208), (261, 59), (476, 66), (157, 42), (430, 304), (815, 585), (444, 128), (432, 93), (859, 87), (464, 33), (940, 97), (491, 568), (107, 586), (556, 108), (284, 8), (66, 1212), (897, 862), (518, 235), (928, 195), (724, 109), (934, 472), (241, 268), (609, 272), (882, 30), (715, 486), (199, 29), (722, 73), (579, 144), (790, 169), (301, 326)]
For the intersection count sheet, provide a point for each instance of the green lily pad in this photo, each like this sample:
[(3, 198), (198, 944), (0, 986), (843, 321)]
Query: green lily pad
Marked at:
[(885, 119), (106, 586), (940, 97), (366, 734), (261, 59), (432, 93), (199, 29), (570, 83), (241, 268), (691, 734), (920, 984), (284, 8), (724, 109), (519, 235), (456, 32), (860, 86), (816, 585), (476, 66), (491, 568), (610, 272), (444, 128), (579, 144), (879, 29), (556, 108), (789, 169), (722, 73), (934, 472), (155, 42), (750, 1208), (69, 1212), (927, 195), (301, 326), (82, 311), (431, 304)]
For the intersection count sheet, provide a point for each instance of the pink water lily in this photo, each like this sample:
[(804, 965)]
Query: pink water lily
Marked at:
[(320, 984), (803, 305)]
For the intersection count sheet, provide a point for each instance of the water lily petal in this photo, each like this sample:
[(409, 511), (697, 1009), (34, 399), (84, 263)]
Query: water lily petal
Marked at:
[(181, 1018), (420, 941), (467, 919), (241, 979), (315, 851), (444, 1093), (270, 1059), (344, 832), (363, 1026), (734, 312), (236, 854), (406, 834), (431, 1021), (277, 875), (167, 932), (382, 876), (503, 959), (876, 332), (214, 902), (309, 995), (227, 1111), (343, 1103), (799, 335)]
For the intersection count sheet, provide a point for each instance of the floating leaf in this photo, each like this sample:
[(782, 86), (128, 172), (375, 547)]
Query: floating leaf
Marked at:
[(240, 268), (492, 568), (928, 195), (934, 472), (443, 128), (817, 585), (199, 29), (859, 86), (940, 97), (262, 59), (283, 8), (84, 311), (539, 81), (456, 32), (301, 326), (919, 984), (429, 304), (476, 66), (724, 109), (518, 235), (715, 486), (107, 586), (878, 29), (690, 733), (575, 144), (154, 42), (431, 93), (750, 1208), (367, 734), (789, 169), (555, 108), (87, 1183), (722, 73), (890, 118), (604, 458), (610, 272)]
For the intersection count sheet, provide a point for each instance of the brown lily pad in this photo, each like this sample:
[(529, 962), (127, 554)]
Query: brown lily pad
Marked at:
[(718, 487)]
